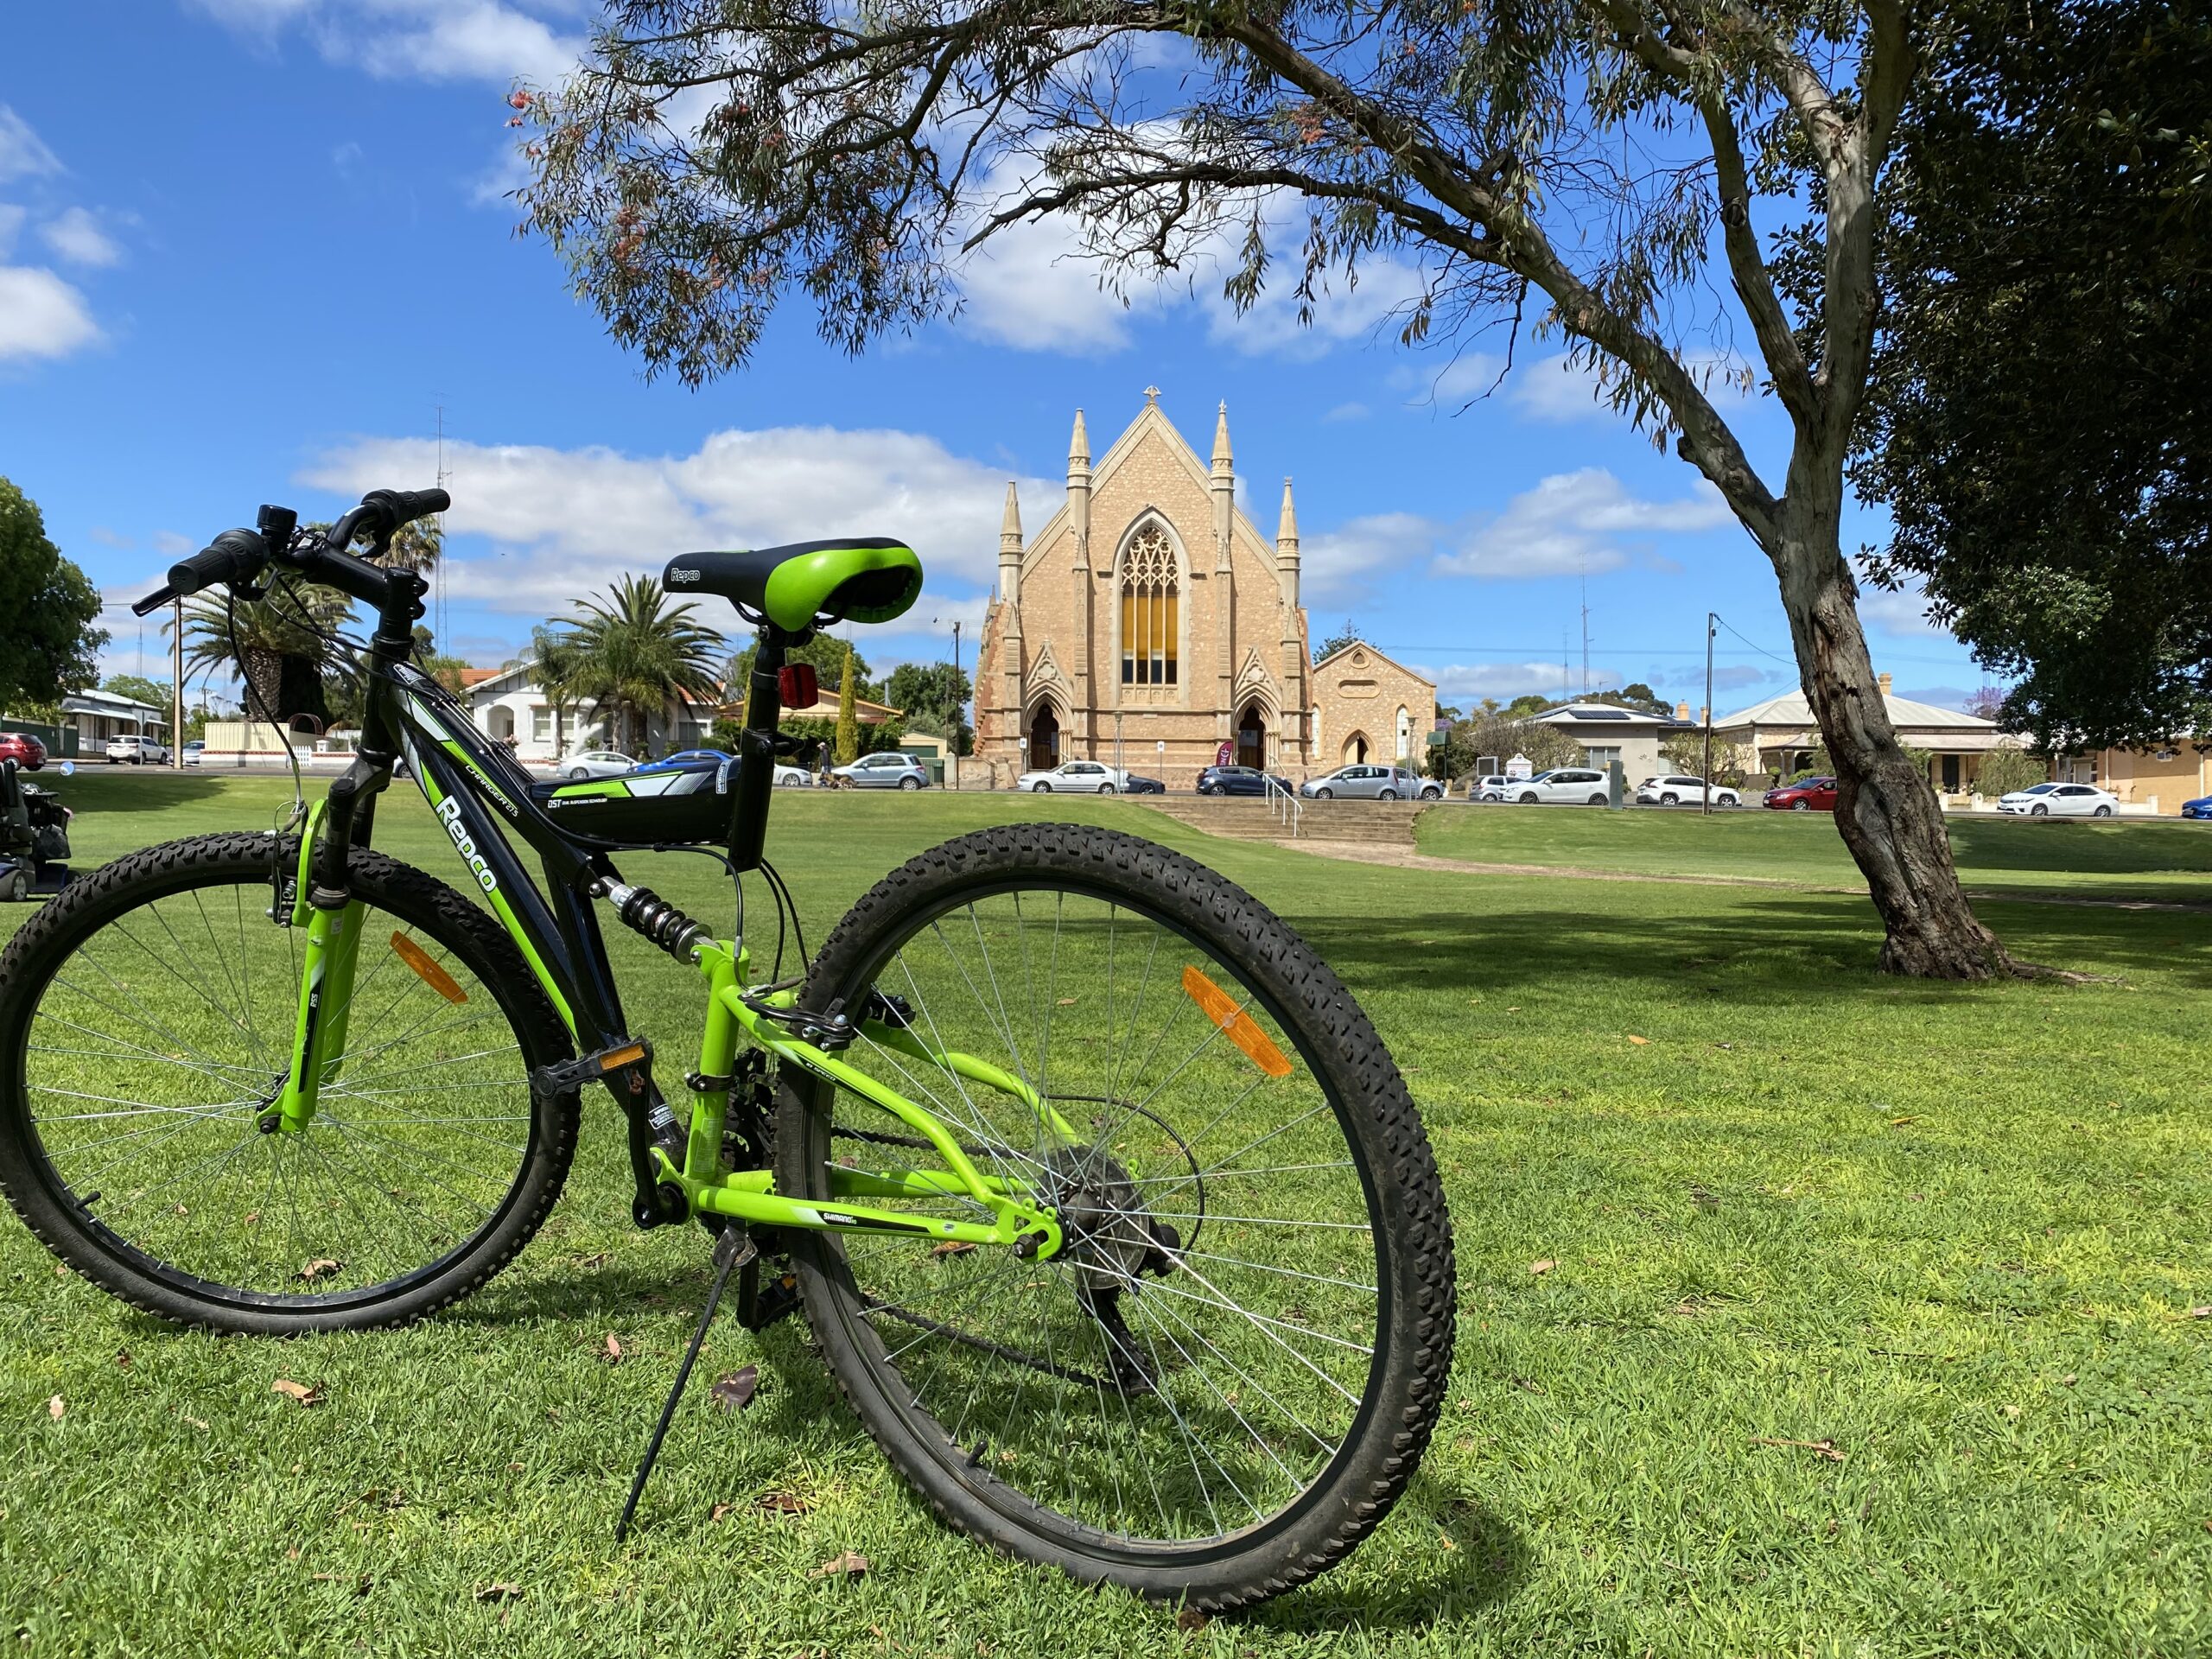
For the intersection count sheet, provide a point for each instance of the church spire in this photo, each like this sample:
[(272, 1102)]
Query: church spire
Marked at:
[(1286, 533), (1078, 444), (1010, 559), (1223, 462), (1010, 526)]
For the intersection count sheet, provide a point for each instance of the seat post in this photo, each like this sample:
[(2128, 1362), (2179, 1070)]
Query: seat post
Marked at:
[(756, 753)]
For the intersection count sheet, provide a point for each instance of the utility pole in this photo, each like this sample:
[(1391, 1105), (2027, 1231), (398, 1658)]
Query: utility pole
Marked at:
[(1711, 617), (1586, 632), (176, 687), (958, 719)]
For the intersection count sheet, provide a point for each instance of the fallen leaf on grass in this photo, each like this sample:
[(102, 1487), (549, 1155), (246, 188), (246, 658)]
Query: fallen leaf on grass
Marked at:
[(1641, 1042), (298, 1393), (123, 1357), (2204, 1313), (1066, 1002), (719, 1510), (951, 1247), (499, 1590), (56, 1409), (195, 1421), (1543, 1267), (1823, 1448), (596, 1259), (784, 1503), (1191, 1619), (1899, 1123), (851, 1564), (316, 1269), (612, 1353), (734, 1390)]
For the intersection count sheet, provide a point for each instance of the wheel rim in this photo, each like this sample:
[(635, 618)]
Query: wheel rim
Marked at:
[(151, 1053), (1235, 1379)]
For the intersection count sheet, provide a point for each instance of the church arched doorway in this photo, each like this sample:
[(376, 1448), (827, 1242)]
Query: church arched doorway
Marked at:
[(1044, 740), (1356, 749), (1252, 737)]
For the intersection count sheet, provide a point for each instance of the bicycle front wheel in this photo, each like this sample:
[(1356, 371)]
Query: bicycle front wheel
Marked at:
[(146, 1022), (1225, 1377)]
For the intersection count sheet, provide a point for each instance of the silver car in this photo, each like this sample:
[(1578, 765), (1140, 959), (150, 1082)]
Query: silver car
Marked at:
[(1372, 784), (886, 770)]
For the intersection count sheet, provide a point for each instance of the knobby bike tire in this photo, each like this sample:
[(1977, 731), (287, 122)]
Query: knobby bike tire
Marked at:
[(1406, 1374), (62, 1219)]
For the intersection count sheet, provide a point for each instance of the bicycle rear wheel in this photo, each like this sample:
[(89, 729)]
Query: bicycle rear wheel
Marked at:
[(1225, 1378), (146, 1020)]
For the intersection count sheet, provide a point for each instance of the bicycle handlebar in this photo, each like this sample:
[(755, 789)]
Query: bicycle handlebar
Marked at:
[(239, 555)]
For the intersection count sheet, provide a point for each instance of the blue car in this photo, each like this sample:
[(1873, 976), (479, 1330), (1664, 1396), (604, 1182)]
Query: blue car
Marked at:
[(2199, 808), (684, 760), (1239, 781)]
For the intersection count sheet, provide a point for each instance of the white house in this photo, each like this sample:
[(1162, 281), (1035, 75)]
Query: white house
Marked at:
[(1608, 732), (508, 702), (100, 716), (1783, 732)]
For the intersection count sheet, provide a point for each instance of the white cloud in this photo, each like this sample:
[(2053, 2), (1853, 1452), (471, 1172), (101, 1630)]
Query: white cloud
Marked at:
[(1902, 613), (426, 40), (1557, 390), (1455, 382), (107, 538), (41, 316), (565, 521), (1031, 287), (1352, 411), (167, 541), (1568, 523), (1337, 563), (11, 222), (76, 236), (22, 154)]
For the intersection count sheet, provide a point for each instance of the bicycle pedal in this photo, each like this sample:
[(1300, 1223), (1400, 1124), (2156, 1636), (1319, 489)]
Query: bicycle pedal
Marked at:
[(563, 1075), (759, 1307)]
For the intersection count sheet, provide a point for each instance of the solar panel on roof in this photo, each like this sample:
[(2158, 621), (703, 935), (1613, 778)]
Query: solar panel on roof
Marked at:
[(1599, 713)]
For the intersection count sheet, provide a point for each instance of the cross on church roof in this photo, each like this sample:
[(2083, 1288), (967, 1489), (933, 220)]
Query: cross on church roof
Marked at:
[(1152, 395)]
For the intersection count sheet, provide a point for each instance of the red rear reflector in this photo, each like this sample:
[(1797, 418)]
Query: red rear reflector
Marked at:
[(797, 686)]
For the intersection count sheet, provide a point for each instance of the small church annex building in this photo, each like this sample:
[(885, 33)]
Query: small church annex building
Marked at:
[(1148, 623)]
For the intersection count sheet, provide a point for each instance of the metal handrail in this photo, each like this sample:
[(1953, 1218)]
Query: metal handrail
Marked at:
[(1288, 809)]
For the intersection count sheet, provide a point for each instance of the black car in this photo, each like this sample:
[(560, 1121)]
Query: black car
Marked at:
[(1137, 786), (1238, 780)]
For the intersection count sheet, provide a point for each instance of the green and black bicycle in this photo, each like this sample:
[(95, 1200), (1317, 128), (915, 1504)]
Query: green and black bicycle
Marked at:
[(1108, 1208)]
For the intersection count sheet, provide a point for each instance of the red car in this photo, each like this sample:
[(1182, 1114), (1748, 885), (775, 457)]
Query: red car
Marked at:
[(1806, 795), (23, 749)]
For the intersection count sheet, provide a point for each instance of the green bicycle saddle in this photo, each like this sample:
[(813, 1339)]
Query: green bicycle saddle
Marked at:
[(803, 585)]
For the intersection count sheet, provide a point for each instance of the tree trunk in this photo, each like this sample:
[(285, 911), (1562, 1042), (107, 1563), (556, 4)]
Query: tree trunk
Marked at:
[(1885, 809)]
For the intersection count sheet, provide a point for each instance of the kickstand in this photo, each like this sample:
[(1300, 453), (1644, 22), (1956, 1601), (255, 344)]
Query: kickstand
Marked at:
[(732, 1250)]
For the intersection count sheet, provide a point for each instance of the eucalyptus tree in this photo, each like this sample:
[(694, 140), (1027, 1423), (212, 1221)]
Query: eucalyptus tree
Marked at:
[(1581, 165)]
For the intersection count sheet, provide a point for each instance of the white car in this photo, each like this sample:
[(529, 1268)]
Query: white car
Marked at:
[(1683, 790), (137, 751), (1578, 784), (596, 763), (1074, 777), (1492, 788), (2060, 801)]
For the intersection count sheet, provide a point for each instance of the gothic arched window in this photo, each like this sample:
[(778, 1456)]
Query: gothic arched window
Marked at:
[(1148, 607)]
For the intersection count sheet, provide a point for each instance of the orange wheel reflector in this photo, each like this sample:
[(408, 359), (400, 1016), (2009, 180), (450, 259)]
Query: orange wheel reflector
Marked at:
[(1241, 1028), (431, 975)]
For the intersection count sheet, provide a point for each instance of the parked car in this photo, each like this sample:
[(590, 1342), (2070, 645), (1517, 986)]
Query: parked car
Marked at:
[(596, 763), (1683, 790), (786, 777), (1806, 795), (885, 771), (1372, 784), (1579, 785), (193, 751), (2199, 808), (2060, 801), (1074, 777), (1139, 786), (1239, 781), (1491, 788), (137, 751), (23, 749)]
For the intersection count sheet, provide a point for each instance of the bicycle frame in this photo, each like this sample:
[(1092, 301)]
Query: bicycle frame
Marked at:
[(480, 795)]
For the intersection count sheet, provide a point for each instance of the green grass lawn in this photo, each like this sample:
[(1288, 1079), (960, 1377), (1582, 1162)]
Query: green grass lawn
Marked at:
[(1955, 1234), (2166, 859)]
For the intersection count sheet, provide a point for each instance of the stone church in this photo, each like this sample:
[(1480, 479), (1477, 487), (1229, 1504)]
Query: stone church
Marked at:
[(1147, 625)]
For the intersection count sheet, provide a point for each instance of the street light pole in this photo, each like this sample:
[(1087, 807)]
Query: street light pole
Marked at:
[(176, 688), (1711, 617), (957, 720)]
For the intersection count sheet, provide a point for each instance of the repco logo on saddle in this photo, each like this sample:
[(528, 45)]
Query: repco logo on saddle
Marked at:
[(449, 815)]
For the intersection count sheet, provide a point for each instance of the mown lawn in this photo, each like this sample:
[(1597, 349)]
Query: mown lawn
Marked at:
[(2119, 858), (1957, 1235)]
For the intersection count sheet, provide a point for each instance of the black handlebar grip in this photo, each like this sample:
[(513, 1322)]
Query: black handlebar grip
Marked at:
[(234, 555), (398, 507)]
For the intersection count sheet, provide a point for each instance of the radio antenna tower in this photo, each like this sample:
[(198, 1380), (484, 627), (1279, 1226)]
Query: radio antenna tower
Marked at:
[(439, 574)]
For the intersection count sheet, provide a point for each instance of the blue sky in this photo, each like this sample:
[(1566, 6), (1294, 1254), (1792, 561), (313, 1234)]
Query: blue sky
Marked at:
[(248, 248)]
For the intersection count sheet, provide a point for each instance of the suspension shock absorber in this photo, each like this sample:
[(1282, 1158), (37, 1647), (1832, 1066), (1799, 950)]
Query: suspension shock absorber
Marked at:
[(643, 911)]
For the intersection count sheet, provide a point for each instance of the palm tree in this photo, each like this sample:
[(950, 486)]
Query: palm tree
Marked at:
[(268, 632), (637, 653), (559, 656), (417, 547)]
